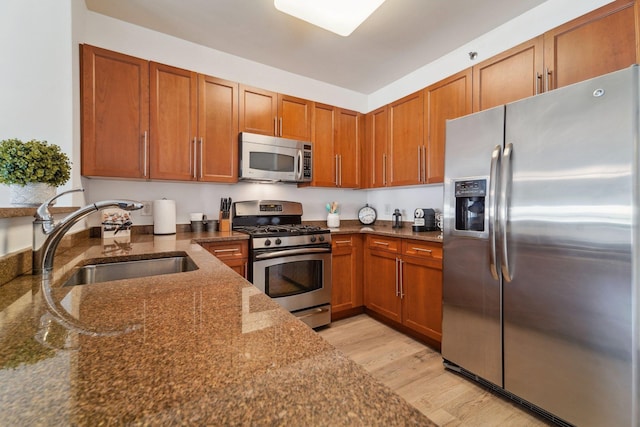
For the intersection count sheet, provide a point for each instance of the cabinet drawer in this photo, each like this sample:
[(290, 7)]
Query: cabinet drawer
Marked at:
[(422, 249), (228, 250), (388, 244)]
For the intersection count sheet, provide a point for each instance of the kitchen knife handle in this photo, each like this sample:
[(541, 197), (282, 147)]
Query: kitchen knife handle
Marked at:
[(505, 192), (493, 206)]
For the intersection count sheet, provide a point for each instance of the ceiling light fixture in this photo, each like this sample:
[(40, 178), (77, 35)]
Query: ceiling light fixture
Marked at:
[(338, 16)]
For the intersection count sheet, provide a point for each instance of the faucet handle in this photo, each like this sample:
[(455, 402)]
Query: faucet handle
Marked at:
[(43, 214)]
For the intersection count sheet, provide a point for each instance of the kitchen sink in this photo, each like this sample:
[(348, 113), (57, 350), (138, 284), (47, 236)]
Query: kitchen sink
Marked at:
[(117, 270)]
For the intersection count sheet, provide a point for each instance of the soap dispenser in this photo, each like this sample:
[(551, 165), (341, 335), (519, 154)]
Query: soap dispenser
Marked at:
[(397, 219)]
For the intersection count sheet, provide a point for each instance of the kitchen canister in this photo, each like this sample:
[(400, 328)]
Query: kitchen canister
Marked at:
[(333, 220), (164, 216)]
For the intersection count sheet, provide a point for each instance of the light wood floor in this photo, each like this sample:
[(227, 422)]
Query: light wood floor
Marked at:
[(415, 372)]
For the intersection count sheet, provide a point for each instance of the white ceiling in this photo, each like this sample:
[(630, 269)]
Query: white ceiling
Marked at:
[(400, 37)]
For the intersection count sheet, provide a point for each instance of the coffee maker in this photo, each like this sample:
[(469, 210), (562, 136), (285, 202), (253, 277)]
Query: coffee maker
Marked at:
[(424, 219)]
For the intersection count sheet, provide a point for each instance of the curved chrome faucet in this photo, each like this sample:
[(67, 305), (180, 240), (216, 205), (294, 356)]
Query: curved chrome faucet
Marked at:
[(47, 234)]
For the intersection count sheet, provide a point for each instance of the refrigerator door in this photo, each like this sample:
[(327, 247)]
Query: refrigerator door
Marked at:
[(471, 329), (568, 343)]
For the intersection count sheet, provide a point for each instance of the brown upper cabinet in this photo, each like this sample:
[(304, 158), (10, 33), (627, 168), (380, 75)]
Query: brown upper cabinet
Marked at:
[(270, 113), (448, 99), (115, 114), (194, 126), (511, 75), (406, 152), (336, 147), (597, 43), (600, 42), (376, 147)]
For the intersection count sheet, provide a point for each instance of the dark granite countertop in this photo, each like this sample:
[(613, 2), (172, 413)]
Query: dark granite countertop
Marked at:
[(198, 348)]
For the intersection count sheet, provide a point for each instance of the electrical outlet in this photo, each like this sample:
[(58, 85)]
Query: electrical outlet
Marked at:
[(147, 210), (387, 209)]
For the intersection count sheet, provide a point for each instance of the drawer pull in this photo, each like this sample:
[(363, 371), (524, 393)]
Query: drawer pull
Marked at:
[(342, 242), (226, 250), (375, 242), (422, 250)]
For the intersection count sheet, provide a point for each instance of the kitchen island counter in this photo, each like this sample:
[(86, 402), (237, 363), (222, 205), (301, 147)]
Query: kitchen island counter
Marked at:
[(201, 348)]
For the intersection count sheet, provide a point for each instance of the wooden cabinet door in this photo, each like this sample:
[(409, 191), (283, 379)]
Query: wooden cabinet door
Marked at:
[(422, 287), (406, 140), (115, 114), (173, 106), (597, 43), (323, 139), (348, 148), (509, 76), (381, 284), (235, 254), (447, 99), (346, 277), (258, 110), (217, 130), (377, 123), (294, 118)]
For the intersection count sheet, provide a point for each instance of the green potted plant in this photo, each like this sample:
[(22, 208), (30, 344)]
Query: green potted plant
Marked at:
[(33, 170)]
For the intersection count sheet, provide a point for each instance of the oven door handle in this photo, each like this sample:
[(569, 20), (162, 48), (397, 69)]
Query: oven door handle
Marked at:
[(289, 252)]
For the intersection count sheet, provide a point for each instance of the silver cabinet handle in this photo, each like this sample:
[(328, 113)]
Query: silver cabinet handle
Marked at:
[(215, 251), (547, 80), (538, 82), (422, 250), (201, 158), (397, 287), (505, 192), (419, 164), (145, 154), (340, 175), (280, 127), (376, 242), (494, 172), (384, 169), (401, 262), (342, 242), (194, 160), (275, 126), (336, 173)]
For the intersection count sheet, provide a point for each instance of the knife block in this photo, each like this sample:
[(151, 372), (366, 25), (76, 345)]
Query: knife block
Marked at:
[(224, 224)]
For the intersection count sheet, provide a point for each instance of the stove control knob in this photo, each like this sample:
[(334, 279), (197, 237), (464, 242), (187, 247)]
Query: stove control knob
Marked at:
[(321, 238), (278, 241), (313, 239), (267, 242)]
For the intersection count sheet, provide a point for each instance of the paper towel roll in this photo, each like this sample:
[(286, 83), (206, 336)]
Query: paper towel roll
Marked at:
[(164, 216)]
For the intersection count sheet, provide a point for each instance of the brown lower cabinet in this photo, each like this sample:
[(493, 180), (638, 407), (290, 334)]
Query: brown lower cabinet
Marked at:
[(346, 276), (235, 254), (403, 284)]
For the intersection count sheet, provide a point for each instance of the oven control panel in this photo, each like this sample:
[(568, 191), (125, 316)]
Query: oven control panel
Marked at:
[(288, 241)]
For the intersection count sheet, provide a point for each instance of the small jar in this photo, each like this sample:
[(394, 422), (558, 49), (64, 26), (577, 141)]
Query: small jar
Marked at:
[(333, 220)]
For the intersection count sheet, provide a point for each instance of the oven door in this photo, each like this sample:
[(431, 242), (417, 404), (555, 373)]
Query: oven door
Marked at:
[(296, 278)]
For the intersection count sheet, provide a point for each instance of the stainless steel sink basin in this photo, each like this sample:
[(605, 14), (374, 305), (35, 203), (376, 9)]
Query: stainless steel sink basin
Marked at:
[(117, 270)]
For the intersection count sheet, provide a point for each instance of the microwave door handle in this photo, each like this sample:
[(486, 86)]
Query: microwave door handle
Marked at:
[(299, 165)]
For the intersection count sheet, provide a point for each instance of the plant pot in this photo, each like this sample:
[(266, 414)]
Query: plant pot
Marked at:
[(30, 195)]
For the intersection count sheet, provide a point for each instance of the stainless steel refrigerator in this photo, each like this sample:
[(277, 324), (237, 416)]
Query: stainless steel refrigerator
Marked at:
[(542, 250)]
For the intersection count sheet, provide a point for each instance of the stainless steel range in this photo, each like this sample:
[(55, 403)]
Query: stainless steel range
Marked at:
[(289, 261)]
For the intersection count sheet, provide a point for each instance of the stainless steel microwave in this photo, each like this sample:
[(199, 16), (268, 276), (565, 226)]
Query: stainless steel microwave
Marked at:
[(272, 159)]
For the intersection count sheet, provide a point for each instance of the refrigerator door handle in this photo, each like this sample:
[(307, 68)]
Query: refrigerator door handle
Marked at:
[(505, 192), (494, 175)]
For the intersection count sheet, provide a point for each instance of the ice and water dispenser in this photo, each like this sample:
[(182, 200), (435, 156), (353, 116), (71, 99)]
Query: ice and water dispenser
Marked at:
[(470, 197)]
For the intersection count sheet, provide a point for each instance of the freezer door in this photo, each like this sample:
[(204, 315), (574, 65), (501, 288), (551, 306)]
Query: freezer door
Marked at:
[(569, 232), (471, 330)]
